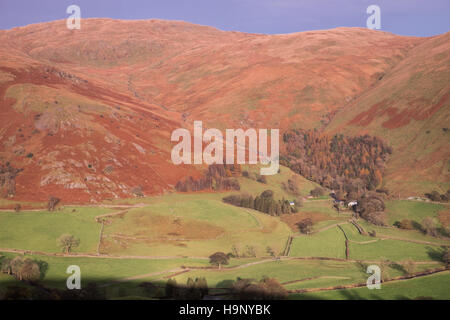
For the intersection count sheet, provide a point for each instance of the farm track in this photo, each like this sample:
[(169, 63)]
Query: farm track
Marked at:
[(260, 225), (101, 256), (314, 278), (385, 237)]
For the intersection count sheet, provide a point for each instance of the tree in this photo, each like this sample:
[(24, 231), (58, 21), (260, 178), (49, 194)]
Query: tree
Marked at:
[(250, 251), (17, 207), (235, 251), (446, 257), (218, 259), (429, 226), (6, 266), (294, 185), (384, 268), (67, 242), (262, 179), (317, 192), (16, 265), (305, 225), (370, 207), (377, 218), (171, 288), (404, 224), (91, 292), (30, 271), (52, 202), (23, 269), (195, 289), (409, 265), (267, 194), (433, 196), (270, 251), (266, 289)]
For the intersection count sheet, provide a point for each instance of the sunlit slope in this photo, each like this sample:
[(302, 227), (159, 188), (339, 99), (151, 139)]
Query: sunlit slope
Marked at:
[(409, 108)]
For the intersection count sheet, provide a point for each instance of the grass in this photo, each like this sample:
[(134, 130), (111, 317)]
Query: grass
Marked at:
[(420, 288), (324, 207), (394, 250), (274, 183), (105, 270), (193, 225), (329, 243), (283, 271), (39, 230), (199, 224), (353, 233), (400, 233), (398, 210)]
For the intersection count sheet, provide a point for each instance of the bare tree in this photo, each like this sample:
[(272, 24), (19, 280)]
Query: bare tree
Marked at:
[(409, 266), (67, 242), (52, 202), (429, 226)]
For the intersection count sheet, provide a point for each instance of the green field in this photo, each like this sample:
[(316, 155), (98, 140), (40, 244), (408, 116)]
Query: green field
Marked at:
[(394, 250), (39, 230), (416, 211), (192, 226), (152, 242), (329, 243), (427, 287)]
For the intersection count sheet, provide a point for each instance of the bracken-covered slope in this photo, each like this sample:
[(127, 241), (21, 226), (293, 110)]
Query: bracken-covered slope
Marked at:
[(87, 114), (410, 108)]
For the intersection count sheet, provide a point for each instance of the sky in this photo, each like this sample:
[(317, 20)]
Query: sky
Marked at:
[(403, 17)]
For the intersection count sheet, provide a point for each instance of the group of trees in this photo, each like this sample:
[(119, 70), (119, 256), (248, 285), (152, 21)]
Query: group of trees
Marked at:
[(436, 196), (264, 203), (23, 268), (336, 162), (371, 208), (248, 251), (317, 192), (254, 176), (219, 177), (265, 289), (292, 185), (305, 225), (195, 289), (427, 226)]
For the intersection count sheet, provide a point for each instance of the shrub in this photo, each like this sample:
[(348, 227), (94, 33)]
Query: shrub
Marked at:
[(404, 224), (377, 218), (262, 179), (429, 226), (446, 257), (317, 192)]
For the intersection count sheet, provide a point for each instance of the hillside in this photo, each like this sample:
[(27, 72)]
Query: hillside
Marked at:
[(87, 114), (410, 108)]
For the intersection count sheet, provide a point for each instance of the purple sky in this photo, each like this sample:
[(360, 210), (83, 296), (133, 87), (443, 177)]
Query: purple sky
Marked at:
[(405, 17)]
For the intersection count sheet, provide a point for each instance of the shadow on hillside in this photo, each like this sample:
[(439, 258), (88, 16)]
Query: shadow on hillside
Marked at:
[(436, 254), (105, 289)]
